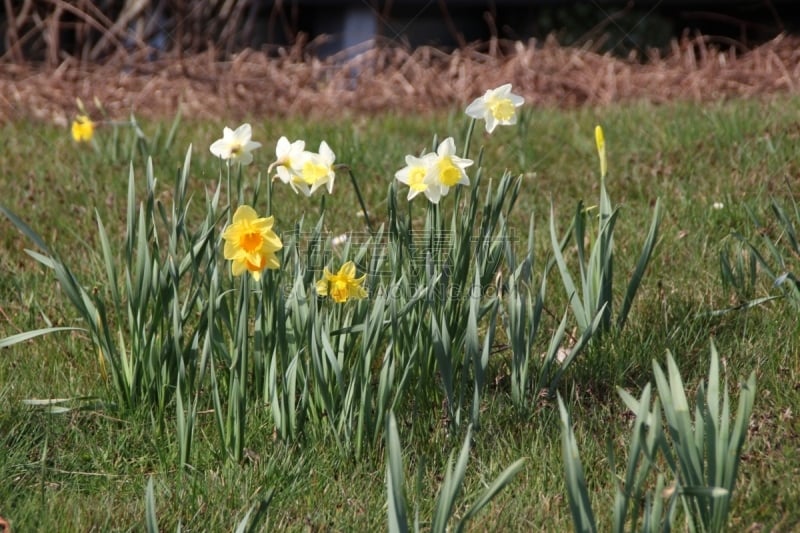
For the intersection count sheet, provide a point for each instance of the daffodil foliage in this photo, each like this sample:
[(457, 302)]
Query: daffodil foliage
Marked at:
[(237, 309)]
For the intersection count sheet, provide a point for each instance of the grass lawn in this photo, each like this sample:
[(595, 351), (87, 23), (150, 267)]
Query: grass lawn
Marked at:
[(87, 469)]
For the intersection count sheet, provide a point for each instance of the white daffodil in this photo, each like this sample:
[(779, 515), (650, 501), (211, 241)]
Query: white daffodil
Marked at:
[(236, 146), (496, 106), (446, 169), (286, 154), (414, 175), (313, 170), (289, 176)]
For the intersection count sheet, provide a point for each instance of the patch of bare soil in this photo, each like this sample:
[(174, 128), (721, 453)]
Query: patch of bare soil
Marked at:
[(253, 84)]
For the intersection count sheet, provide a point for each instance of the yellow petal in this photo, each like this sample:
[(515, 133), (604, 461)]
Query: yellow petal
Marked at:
[(348, 270), (82, 128), (272, 243), (244, 213), (357, 291), (271, 261), (322, 287), (238, 268)]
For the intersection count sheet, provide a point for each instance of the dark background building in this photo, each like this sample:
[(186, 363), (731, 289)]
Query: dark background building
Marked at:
[(93, 31), (607, 24)]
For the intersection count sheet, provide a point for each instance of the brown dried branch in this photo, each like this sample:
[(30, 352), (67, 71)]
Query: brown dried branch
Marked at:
[(289, 81)]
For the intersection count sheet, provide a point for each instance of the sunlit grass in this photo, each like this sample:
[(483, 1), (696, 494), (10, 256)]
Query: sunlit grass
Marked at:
[(89, 468)]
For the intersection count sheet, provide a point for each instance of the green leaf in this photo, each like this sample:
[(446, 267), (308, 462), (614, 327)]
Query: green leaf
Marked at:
[(451, 487), (27, 335), (150, 522), (396, 504), (579, 501), (578, 308), (246, 525), (641, 265), (25, 229), (491, 491)]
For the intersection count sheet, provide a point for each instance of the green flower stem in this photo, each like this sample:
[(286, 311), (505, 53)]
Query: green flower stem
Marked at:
[(237, 397), (468, 138), (230, 193), (360, 197), (269, 196)]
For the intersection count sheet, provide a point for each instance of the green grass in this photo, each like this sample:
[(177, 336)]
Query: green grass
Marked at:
[(88, 469)]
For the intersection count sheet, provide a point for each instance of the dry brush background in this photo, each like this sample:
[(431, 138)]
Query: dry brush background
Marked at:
[(56, 51)]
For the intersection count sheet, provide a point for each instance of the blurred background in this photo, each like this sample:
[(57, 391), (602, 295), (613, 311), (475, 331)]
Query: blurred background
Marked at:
[(52, 31)]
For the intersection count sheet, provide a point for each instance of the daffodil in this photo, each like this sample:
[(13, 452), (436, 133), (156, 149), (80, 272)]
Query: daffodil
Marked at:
[(250, 243), (288, 157), (285, 154), (343, 285), (447, 170), (82, 129), (496, 106), (600, 140), (314, 170), (414, 175), (236, 146)]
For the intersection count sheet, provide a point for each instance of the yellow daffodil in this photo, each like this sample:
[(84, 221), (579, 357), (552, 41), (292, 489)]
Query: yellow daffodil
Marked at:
[(343, 285), (600, 140), (496, 106), (250, 243), (236, 146), (414, 175), (82, 129)]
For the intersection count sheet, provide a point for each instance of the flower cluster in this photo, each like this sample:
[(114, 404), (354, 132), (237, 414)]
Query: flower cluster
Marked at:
[(435, 173), (250, 242), (304, 171)]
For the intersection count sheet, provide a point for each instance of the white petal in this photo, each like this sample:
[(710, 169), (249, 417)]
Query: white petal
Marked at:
[(460, 162), (447, 147), (476, 109), (503, 90), (218, 148), (244, 132), (284, 174), (326, 153), (402, 174), (491, 123), (282, 148)]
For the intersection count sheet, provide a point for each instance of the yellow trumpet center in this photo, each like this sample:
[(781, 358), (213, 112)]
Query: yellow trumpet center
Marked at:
[(314, 172), (449, 174), (415, 178), (501, 108), (251, 241)]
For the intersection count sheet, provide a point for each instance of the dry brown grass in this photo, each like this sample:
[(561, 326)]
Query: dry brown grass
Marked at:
[(254, 84)]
